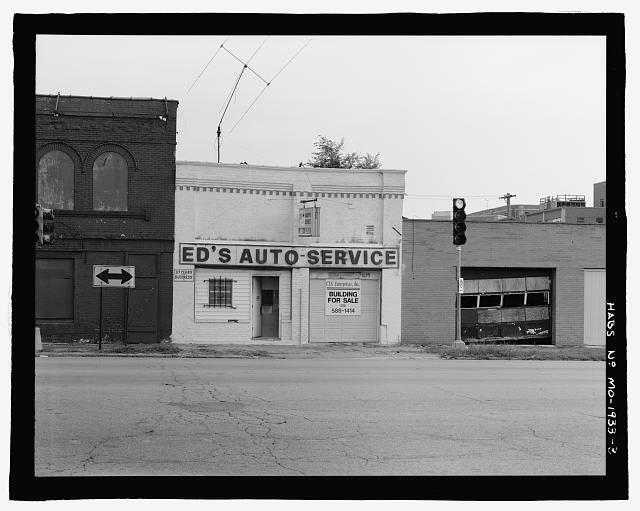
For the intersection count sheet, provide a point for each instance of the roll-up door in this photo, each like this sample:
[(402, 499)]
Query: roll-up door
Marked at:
[(595, 290), (344, 307)]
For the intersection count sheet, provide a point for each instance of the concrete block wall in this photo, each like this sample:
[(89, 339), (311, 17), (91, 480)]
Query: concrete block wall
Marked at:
[(248, 203), (391, 307), (254, 203), (429, 259), (300, 305)]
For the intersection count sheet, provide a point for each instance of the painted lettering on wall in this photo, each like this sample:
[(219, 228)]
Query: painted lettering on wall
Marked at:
[(203, 254)]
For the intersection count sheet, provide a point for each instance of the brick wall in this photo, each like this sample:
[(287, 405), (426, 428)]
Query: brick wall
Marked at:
[(84, 127), (428, 271)]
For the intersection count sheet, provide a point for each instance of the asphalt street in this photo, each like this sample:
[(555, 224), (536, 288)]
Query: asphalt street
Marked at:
[(356, 416)]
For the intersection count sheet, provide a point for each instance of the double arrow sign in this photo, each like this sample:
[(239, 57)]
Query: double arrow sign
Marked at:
[(114, 276)]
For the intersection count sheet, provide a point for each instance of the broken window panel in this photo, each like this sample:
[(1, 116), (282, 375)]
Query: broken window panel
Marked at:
[(490, 300), (469, 301), (56, 180), (110, 174), (513, 300), (537, 298)]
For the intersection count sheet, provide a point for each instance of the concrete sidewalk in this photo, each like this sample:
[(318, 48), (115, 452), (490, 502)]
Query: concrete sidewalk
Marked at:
[(328, 350)]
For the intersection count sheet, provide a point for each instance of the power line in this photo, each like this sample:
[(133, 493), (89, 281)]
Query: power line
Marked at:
[(205, 67), (258, 49), (269, 83)]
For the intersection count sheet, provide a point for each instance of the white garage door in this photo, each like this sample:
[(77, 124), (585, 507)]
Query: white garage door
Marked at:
[(595, 298), (355, 322)]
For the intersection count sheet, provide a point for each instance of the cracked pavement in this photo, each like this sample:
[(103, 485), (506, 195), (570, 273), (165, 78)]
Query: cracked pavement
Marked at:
[(155, 416)]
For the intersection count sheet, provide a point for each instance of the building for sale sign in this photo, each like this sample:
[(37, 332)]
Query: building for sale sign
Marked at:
[(342, 297)]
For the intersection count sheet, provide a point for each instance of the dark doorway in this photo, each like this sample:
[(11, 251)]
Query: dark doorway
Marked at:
[(142, 306), (266, 307)]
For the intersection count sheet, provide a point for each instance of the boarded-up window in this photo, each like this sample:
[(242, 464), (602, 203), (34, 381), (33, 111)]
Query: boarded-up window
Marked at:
[(56, 180), (110, 174), (54, 288)]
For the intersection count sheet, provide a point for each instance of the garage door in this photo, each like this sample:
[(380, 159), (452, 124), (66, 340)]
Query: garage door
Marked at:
[(595, 287), (344, 307)]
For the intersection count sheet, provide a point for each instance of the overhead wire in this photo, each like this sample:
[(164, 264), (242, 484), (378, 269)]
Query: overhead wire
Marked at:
[(269, 83), (207, 65)]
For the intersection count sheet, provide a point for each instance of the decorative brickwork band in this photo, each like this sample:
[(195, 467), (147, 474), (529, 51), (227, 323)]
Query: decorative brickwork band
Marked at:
[(286, 193)]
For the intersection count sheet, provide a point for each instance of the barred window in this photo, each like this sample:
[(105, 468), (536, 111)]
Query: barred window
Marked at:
[(221, 292)]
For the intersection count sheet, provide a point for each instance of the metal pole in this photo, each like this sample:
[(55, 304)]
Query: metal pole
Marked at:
[(458, 343), (126, 314), (458, 311), (218, 133), (100, 323)]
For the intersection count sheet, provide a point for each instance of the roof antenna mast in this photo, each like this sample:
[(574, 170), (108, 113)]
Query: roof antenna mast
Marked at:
[(219, 132)]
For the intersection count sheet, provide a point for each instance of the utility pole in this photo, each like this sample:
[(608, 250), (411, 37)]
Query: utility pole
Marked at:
[(508, 197)]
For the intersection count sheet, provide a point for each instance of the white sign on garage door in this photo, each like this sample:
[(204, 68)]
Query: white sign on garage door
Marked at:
[(342, 297)]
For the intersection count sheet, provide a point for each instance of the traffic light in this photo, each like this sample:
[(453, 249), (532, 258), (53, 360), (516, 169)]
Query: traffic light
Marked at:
[(459, 217), (38, 224), (48, 226)]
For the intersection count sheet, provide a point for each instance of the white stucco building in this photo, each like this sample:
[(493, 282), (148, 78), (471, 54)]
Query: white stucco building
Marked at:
[(287, 255)]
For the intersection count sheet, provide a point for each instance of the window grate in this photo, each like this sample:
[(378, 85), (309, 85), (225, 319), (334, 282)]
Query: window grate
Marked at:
[(220, 293)]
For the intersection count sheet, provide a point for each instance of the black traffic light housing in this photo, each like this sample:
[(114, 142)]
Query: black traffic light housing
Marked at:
[(459, 217), (38, 225), (48, 226)]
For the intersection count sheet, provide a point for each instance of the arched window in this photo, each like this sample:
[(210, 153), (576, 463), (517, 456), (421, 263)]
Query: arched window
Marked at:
[(110, 173), (56, 180)]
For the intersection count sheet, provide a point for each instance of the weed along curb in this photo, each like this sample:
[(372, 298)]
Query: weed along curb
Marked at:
[(333, 350)]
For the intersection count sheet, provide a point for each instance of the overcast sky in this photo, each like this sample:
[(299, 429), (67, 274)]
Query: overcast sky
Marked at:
[(475, 117)]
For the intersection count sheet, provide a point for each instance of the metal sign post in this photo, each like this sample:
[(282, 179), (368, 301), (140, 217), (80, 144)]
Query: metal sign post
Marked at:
[(458, 343), (112, 276)]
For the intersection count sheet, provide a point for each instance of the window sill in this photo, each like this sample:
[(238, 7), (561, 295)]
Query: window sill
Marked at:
[(102, 214)]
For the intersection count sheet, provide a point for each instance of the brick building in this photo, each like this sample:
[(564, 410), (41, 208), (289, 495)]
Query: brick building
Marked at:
[(107, 168), (523, 282), (286, 254)]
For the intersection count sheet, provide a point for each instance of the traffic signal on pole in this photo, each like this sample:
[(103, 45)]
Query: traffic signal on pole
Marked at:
[(38, 224), (459, 217), (48, 226)]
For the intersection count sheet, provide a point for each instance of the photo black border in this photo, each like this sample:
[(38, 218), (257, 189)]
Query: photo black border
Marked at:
[(23, 485)]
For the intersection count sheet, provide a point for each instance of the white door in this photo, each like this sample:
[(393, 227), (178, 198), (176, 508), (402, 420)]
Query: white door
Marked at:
[(256, 305), (595, 307)]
